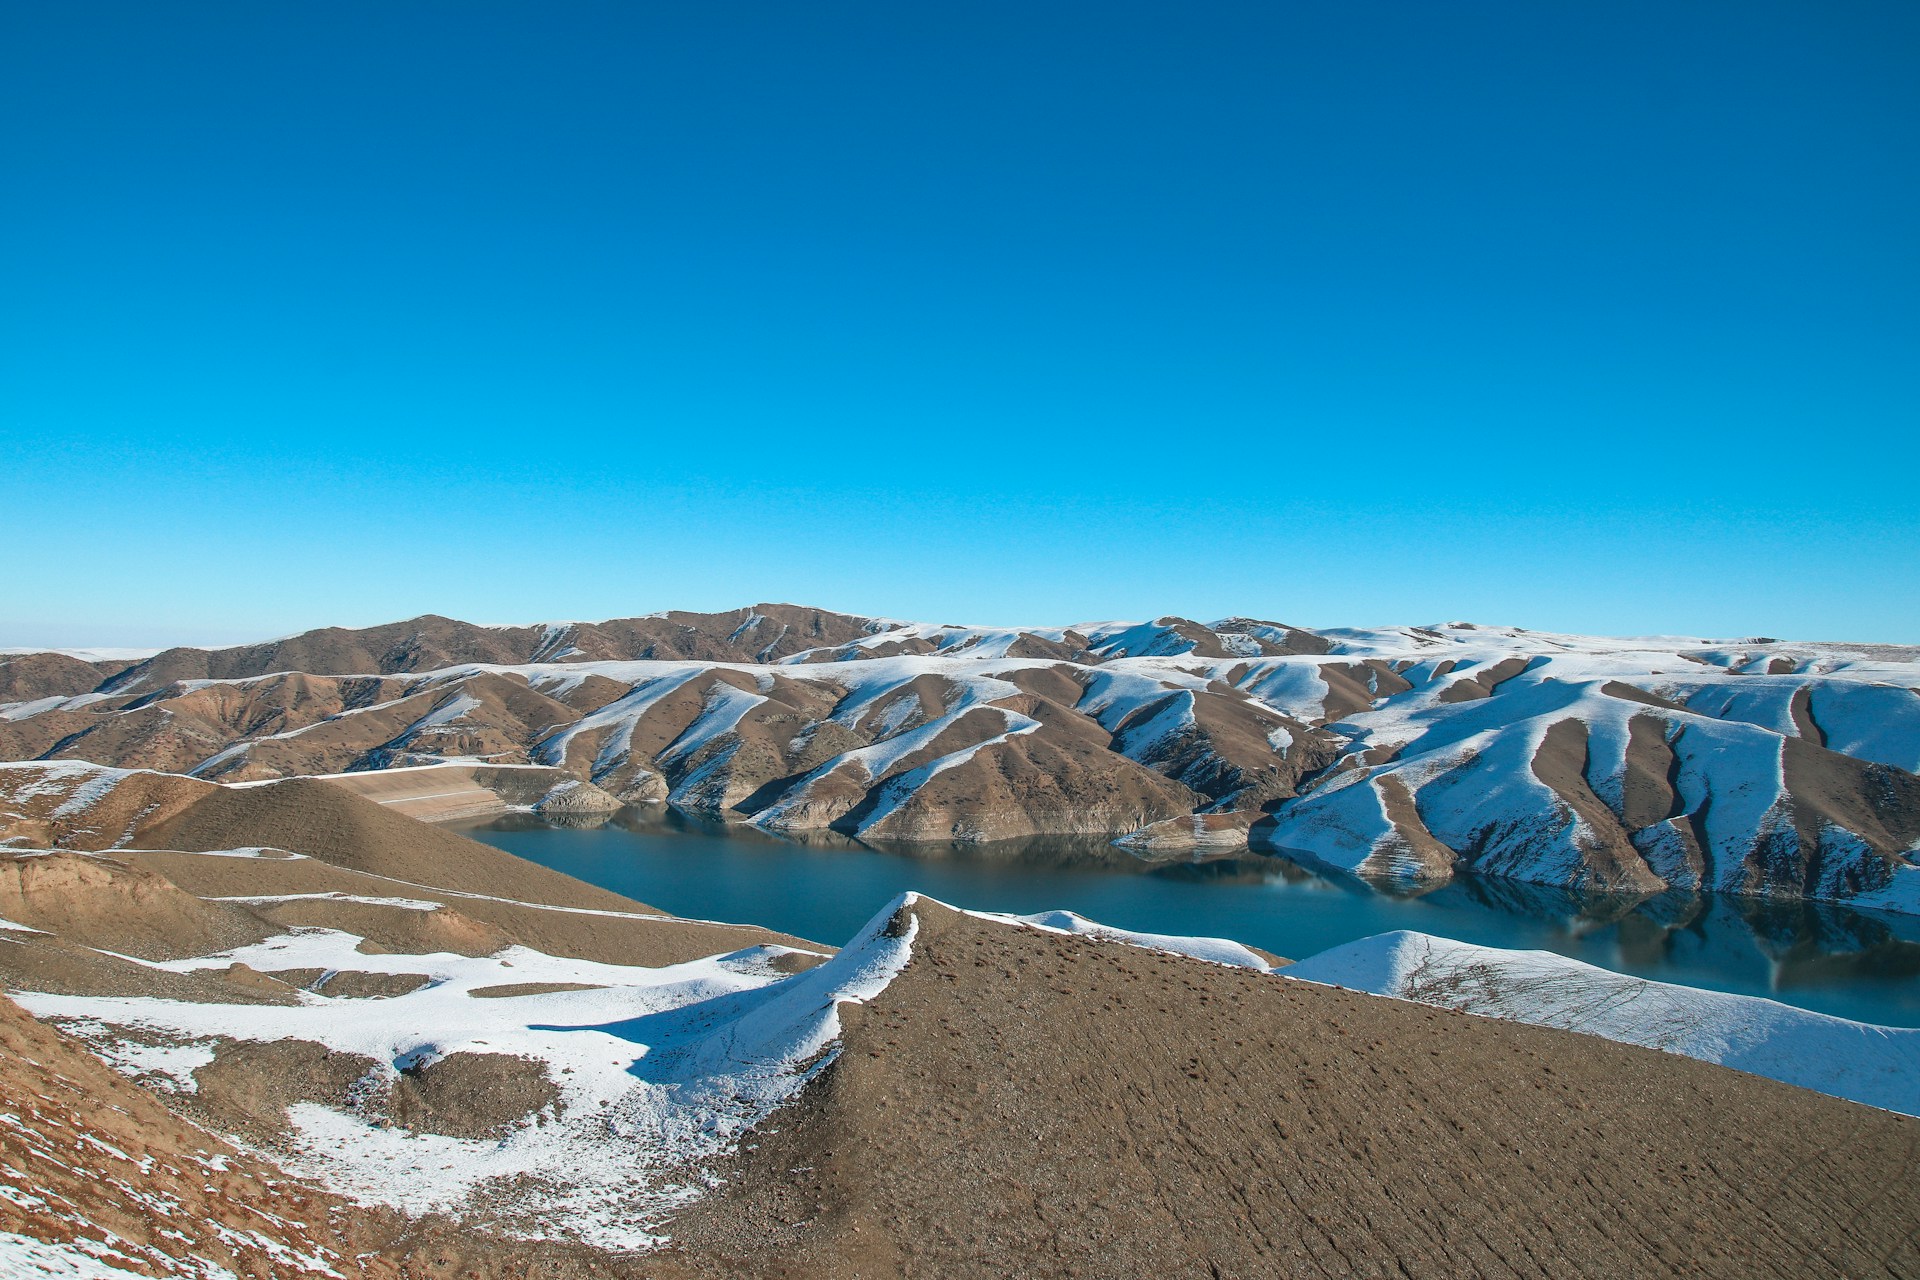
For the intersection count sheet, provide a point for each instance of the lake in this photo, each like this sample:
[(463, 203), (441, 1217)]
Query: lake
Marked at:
[(1862, 965)]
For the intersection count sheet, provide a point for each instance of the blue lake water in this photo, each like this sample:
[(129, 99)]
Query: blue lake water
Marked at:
[(1853, 964)]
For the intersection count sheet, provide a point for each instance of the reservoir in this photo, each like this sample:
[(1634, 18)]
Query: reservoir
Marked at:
[(1853, 964)]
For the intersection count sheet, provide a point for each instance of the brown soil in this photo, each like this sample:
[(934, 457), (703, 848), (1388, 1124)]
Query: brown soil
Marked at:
[(1632, 693), (1800, 706), (352, 984), (472, 1095), (1020, 1103), (249, 1085), (430, 642), (325, 822), (28, 677), (103, 902), (1648, 795), (508, 990), (1353, 686), (608, 939), (41, 962), (31, 802), (91, 1153), (1610, 861), (1227, 754), (1876, 801), (1060, 778), (1434, 859), (1481, 682), (389, 929)]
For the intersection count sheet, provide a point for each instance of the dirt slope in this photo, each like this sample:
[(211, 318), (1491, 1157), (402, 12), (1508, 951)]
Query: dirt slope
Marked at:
[(106, 1163), (416, 859), (1018, 1103), (349, 845), (91, 1157), (67, 805), (334, 825), (106, 904), (25, 677), (1014, 1103)]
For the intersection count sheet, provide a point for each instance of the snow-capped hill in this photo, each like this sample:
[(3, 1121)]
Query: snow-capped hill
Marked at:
[(637, 1071), (762, 1043), (1879, 1066), (1751, 766), (1600, 784)]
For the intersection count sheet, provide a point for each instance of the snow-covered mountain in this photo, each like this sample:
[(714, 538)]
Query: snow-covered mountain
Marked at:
[(1754, 766), (1879, 1066)]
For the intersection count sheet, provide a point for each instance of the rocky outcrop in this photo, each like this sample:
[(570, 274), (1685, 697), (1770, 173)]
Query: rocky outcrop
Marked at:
[(574, 798)]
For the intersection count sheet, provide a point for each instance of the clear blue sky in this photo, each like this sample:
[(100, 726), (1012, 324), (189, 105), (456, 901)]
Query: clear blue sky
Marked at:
[(1594, 317)]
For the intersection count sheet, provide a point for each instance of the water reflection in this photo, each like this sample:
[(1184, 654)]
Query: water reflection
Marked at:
[(574, 821), (823, 885), (1793, 942), (1257, 869)]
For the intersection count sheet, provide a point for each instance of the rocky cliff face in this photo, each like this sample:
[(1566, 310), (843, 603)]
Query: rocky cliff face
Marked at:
[(1755, 767)]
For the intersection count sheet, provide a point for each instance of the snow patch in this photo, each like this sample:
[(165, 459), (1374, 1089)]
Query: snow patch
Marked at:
[(1212, 950), (656, 1068), (1879, 1066), (24, 1258)]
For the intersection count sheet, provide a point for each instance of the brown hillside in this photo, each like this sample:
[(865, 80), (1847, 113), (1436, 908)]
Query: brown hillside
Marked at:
[(107, 1164), (397, 856), (25, 677), (327, 822), (761, 633), (1021, 1103)]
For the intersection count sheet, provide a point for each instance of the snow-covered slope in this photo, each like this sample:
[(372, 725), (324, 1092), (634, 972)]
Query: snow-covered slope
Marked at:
[(1879, 1066), (1754, 766), (1560, 761), (638, 1073)]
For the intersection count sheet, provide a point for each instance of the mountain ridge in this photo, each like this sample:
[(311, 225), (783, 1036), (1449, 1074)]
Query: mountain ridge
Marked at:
[(455, 1062), (1755, 766)]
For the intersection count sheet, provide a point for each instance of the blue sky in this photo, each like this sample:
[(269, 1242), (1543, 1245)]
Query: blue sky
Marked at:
[(1582, 317)]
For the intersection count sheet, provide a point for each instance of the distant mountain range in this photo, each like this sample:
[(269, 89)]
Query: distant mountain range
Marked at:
[(269, 1025), (1753, 766)]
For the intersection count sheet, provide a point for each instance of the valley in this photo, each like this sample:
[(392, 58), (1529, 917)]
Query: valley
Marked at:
[(242, 906)]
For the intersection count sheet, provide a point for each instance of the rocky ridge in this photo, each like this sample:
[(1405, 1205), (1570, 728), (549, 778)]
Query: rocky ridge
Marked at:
[(1633, 765)]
